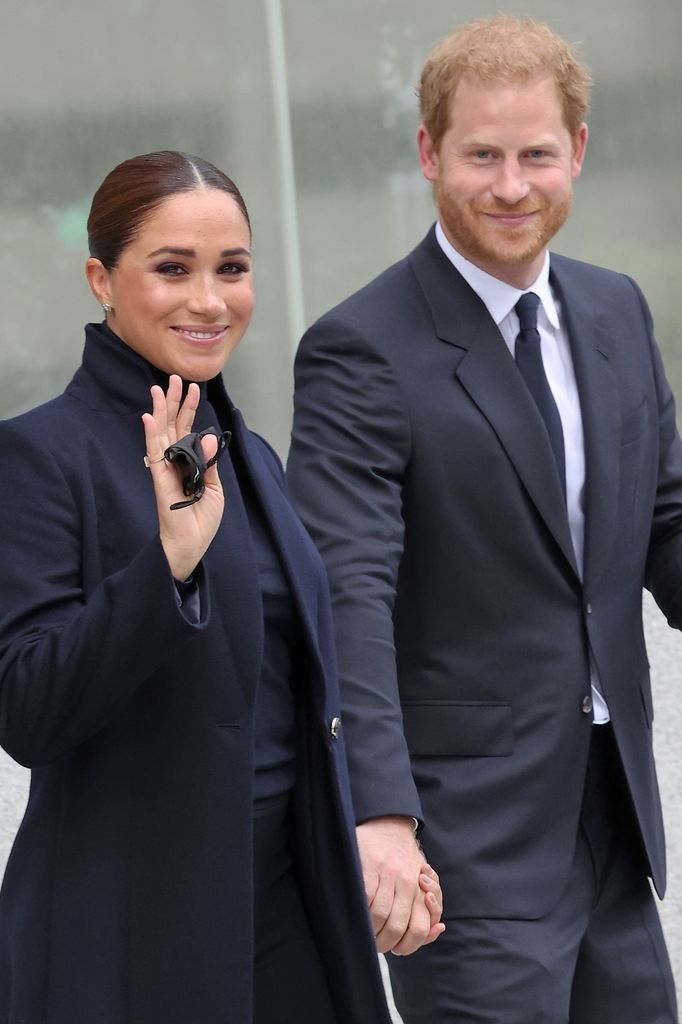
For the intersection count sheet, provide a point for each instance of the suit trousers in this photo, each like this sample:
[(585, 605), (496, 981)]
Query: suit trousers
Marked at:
[(598, 957), (289, 983)]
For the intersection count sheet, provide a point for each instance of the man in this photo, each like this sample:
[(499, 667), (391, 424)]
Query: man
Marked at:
[(485, 451)]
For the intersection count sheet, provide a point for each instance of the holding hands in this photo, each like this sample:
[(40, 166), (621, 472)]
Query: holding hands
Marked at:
[(186, 533), (403, 891)]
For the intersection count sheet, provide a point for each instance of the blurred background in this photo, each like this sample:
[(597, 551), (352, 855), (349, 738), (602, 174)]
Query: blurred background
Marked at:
[(310, 106)]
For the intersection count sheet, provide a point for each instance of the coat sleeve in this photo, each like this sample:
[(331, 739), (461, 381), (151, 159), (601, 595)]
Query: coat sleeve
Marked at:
[(350, 448), (69, 663)]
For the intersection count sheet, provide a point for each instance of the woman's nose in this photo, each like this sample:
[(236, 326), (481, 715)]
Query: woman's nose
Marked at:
[(205, 298)]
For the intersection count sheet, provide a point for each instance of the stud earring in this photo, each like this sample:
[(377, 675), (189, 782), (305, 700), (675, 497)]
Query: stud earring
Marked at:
[(107, 307)]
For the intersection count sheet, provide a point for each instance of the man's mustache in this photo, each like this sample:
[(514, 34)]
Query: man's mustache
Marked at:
[(527, 205)]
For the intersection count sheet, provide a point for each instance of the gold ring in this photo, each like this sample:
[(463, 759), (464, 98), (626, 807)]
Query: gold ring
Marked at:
[(151, 462)]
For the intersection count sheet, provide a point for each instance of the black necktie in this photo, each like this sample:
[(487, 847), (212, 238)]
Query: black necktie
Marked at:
[(529, 362)]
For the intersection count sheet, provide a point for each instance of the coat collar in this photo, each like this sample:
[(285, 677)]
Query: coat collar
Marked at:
[(114, 377), (487, 372)]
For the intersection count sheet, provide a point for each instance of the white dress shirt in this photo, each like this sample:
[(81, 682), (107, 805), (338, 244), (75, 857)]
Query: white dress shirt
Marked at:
[(499, 299)]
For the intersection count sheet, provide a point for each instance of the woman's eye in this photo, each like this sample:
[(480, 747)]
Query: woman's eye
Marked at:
[(232, 269), (171, 269)]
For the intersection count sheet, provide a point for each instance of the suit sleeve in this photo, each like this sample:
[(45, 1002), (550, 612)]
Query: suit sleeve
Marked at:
[(69, 662), (664, 560), (350, 447)]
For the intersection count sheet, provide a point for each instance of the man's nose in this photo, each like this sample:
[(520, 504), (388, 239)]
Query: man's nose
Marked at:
[(510, 184)]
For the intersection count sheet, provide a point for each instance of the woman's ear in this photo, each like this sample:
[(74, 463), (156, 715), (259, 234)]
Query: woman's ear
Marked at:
[(98, 279)]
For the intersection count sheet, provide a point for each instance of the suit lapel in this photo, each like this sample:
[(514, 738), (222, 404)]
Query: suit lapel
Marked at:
[(592, 347), (489, 375)]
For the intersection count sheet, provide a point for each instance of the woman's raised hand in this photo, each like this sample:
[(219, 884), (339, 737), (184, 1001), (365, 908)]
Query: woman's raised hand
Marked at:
[(186, 533)]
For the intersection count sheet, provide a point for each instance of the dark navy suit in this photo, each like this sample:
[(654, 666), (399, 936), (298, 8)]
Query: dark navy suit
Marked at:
[(128, 894), (423, 470)]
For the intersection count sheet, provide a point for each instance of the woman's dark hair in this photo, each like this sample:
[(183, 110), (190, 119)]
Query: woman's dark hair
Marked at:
[(134, 189)]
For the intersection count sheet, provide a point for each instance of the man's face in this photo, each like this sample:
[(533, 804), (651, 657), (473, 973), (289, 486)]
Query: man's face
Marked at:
[(503, 174)]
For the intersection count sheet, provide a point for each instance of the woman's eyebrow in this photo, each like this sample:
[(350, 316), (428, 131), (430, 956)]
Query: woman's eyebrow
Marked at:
[(179, 251)]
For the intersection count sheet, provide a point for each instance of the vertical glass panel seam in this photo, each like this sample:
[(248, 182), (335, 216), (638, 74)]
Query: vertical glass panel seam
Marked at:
[(291, 249)]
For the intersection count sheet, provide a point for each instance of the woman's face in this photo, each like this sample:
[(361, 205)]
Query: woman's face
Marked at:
[(181, 293)]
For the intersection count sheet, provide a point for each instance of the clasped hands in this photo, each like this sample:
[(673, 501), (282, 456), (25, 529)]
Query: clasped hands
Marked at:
[(403, 891)]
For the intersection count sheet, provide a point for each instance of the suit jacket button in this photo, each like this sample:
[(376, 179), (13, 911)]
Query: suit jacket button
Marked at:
[(335, 727), (586, 706)]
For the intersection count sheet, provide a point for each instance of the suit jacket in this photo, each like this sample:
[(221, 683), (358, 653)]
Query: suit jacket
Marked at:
[(423, 470), (128, 894)]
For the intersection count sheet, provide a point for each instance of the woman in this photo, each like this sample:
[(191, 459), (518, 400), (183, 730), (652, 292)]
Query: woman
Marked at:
[(187, 853)]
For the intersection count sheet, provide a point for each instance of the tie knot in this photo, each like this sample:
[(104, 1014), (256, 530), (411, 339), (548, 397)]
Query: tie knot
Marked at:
[(527, 311)]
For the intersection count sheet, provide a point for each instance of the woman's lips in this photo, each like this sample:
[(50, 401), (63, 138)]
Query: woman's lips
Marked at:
[(200, 335)]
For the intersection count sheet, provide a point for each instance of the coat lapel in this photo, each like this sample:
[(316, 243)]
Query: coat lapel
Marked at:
[(294, 547), (592, 348), (488, 373), (231, 562)]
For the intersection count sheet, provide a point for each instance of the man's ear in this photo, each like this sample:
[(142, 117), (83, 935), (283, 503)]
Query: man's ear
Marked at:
[(579, 147), (98, 279), (428, 154)]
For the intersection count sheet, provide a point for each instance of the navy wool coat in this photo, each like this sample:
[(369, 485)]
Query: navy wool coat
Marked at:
[(128, 897)]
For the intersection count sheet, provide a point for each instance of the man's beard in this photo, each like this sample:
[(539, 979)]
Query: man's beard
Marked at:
[(480, 241)]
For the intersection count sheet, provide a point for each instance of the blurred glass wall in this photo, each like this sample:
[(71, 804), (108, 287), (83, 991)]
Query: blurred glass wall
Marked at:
[(310, 106)]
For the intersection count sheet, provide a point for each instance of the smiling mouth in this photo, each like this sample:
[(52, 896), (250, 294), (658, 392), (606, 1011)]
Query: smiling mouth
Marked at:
[(512, 216), (201, 335)]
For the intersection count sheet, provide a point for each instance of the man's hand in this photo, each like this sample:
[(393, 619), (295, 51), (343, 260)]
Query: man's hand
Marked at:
[(403, 891)]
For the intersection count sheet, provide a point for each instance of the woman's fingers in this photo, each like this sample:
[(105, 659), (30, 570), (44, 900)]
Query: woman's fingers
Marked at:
[(174, 418), (160, 417), (209, 446), (184, 420), (153, 445), (180, 413), (173, 400)]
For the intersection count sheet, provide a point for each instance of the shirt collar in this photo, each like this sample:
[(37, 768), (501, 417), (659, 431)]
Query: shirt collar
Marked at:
[(499, 297)]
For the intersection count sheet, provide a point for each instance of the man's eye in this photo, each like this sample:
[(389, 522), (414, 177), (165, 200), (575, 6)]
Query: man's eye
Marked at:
[(536, 153), (482, 154)]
